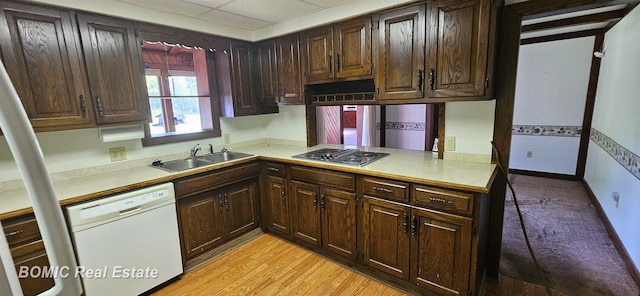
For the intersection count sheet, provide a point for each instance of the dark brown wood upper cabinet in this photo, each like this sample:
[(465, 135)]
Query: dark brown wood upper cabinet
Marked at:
[(115, 69), (400, 54), (458, 48), (266, 84), (40, 50), (339, 51), (290, 82), (243, 75)]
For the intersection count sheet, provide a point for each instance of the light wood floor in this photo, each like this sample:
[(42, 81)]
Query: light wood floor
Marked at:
[(271, 266), (268, 265)]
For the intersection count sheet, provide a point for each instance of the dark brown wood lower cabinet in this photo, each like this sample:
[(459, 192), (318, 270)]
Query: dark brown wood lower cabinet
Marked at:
[(440, 251), (277, 216), (306, 212), (240, 208), (339, 222), (386, 236)]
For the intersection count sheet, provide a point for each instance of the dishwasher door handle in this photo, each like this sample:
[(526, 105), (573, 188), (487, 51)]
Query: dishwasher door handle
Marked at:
[(129, 210)]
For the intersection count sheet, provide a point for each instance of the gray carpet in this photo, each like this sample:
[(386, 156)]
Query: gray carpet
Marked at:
[(571, 243)]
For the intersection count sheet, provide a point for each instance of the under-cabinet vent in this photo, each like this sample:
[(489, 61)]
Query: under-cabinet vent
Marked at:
[(344, 92)]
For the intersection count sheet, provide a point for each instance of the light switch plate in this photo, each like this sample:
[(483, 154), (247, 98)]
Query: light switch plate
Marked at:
[(450, 144), (117, 154)]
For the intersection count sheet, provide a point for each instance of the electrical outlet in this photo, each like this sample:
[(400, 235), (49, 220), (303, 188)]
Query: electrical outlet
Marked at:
[(616, 198), (450, 144), (227, 138), (117, 154), (529, 154)]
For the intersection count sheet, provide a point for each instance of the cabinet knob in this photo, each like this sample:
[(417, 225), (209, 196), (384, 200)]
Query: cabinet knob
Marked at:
[(405, 223), (414, 226), (322, 202), (315, 200), (226, 201)]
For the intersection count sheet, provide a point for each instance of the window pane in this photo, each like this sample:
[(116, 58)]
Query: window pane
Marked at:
[(183, 85), (156, 126), (186, 113), (153, 85)]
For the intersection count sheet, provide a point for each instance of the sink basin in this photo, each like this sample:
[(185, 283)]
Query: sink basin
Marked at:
[(200, 161), (183, 164), (223, 156)]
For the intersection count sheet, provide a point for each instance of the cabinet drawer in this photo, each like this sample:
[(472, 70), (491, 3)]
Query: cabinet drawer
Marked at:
[(215, 179), (274, 169), (323, 177), (387, 189), (442, 199), (21, 230)]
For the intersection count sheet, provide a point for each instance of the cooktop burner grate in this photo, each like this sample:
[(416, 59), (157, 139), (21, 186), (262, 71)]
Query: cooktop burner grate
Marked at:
[(344, 156)]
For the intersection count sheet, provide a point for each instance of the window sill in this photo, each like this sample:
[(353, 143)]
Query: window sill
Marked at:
[(174, 138)]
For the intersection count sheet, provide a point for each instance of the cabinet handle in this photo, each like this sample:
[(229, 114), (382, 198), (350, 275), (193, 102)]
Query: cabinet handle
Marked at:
[(83, 106), (273, 169), (432, 79), (315, 200), (382, 189), (100, 109), (226, 201), (420, 78), (322, 203), (13, 233), (405, 223), (220, 202), (440, 200), (284, 194), (414, 226), (329, 63), (337, 62)]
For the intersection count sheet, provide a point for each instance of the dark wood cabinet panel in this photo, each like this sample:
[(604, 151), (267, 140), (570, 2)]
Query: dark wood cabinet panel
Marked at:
[(115, 69), (339, 222), (386, 236), (243, 73), (266, 84), (240, 204), (401, 53), (306, 212), (40, 50), (353, 48), (278, 205), (200, 223), (318, 46), (440, 252), (458, 47), (290, 82)]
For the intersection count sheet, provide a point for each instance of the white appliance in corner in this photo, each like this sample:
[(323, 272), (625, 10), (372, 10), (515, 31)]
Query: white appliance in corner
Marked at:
[(127, 244)]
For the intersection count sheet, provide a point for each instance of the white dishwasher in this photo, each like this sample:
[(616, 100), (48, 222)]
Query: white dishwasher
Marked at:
[(128, 243)]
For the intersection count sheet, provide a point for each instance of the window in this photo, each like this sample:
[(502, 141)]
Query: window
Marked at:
[(179, 93)]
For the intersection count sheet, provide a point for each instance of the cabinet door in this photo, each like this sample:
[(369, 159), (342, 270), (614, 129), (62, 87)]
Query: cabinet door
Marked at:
[(240, 204), (401, 49), (458, 47), (353, 48), (242, 65), (318, 47), (306, 212), (290, 83), (201, 222), (40, 52), (278, 206), (440, 252), (266, 84), (115, 69), (339, 222), (28, 256), (386, 236)]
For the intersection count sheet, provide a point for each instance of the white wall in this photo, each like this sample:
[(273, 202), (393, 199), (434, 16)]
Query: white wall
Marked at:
[(471, 123), (404, 130), (616, 116), (551, 89), (76, 149)]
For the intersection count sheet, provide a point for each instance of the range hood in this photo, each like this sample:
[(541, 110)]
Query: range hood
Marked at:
[(343, 92)]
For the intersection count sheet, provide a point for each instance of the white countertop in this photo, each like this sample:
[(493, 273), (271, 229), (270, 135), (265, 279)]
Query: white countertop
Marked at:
[(405, 165)]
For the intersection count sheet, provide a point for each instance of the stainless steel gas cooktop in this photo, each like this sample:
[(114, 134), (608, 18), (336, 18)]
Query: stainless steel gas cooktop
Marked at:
[(344, 156)]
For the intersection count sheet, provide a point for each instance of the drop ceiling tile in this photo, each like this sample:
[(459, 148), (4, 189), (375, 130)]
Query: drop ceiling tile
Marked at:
[(327, 3), (230, 19), (209, 3), (272, 11), (173, 6)]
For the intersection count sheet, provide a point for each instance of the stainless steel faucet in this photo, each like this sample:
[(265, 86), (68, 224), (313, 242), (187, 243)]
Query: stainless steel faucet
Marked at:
[(195, 150)]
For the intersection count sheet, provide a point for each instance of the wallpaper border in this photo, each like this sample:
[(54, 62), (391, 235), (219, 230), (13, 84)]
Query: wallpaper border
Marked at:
[(547, 130), (629, 160)]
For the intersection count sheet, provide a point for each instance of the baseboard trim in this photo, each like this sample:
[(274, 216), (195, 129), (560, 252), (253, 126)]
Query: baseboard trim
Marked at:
[(633, 270), (544, 175)]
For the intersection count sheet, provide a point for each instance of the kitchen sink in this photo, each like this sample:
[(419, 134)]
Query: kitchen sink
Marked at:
[(179, 165)]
